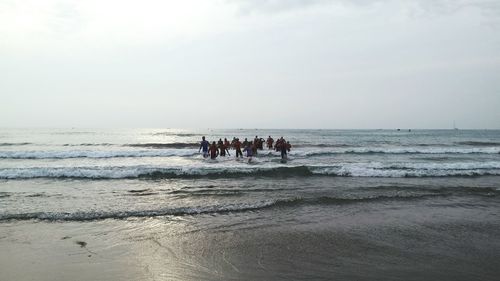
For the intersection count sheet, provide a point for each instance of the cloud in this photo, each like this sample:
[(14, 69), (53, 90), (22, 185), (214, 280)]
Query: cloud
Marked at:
[(247, 7), (490, 7), (436, 7), (65, 18), (74, 56), (67, 24)]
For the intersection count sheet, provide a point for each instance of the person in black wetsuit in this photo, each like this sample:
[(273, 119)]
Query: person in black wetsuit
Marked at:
[(249, 149), (283, 149), (204, 144)]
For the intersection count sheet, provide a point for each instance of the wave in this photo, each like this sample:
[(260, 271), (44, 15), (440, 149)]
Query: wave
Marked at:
[(88, 144), (149, 172), (375, 143), (402, 150), (165, 145), (324, 145), (469, 190), (4, 194), (437, 166), (47, 144), (14, 143), (235, 172), (340, 170), (89, 216), (220, 192), (176, 134), (199, 210), (189, 150), (58, 154), (403, 170), (479, 143), (327, 200), (74, 133)]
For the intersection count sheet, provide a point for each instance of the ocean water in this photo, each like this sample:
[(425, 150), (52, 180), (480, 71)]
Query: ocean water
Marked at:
[(348, 204)]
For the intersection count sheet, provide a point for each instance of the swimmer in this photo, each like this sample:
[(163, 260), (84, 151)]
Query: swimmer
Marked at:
[(214, 152), (237, 147), (204, 144), (223, 149), (249, 150), (270, 142), (283, 149)]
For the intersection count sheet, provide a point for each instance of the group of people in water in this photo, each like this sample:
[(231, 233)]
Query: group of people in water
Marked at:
[(251, 148)]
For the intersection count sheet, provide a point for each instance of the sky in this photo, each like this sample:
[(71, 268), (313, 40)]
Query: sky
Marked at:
[(339, 64)]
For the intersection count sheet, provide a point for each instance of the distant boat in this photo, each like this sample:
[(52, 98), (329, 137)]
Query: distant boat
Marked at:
[(454, 125)]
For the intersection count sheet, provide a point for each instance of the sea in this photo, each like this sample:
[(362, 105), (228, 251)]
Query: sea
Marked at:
[(143, 204)]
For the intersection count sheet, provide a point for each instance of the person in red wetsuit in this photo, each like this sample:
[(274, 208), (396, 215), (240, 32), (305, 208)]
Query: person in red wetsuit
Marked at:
[(270, 142), (214, 152), (284, 147), (278, 144), (237, 147), (223, 149)]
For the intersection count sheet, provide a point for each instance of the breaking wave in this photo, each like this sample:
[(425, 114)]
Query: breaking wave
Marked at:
[(89, 216), (469, 190), (402, 150), (95, 154), (189, 149), (198, 210), (372, 169), (479, 143), (165, 145), (148, 172), (14, 143), (88, 144), (324, 145), (176, 134)]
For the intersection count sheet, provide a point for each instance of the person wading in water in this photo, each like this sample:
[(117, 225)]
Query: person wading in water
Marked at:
[(204, 144)]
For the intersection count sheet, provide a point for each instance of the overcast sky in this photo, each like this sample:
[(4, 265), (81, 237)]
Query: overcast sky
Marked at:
[(250, 63)]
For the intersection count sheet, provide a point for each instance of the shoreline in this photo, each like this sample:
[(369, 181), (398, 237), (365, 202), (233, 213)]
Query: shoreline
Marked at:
[(375, 243)]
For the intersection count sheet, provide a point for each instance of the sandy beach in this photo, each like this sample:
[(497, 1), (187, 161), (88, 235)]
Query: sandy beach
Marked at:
[(377, 244)]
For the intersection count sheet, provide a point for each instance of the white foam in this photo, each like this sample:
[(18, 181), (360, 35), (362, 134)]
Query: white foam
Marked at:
[(114, 172), (96, 153), (378, 169), (399, 150), (65, 154), (370, 169)]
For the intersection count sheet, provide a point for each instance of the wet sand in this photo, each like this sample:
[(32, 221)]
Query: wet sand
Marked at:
[(176, 248)]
